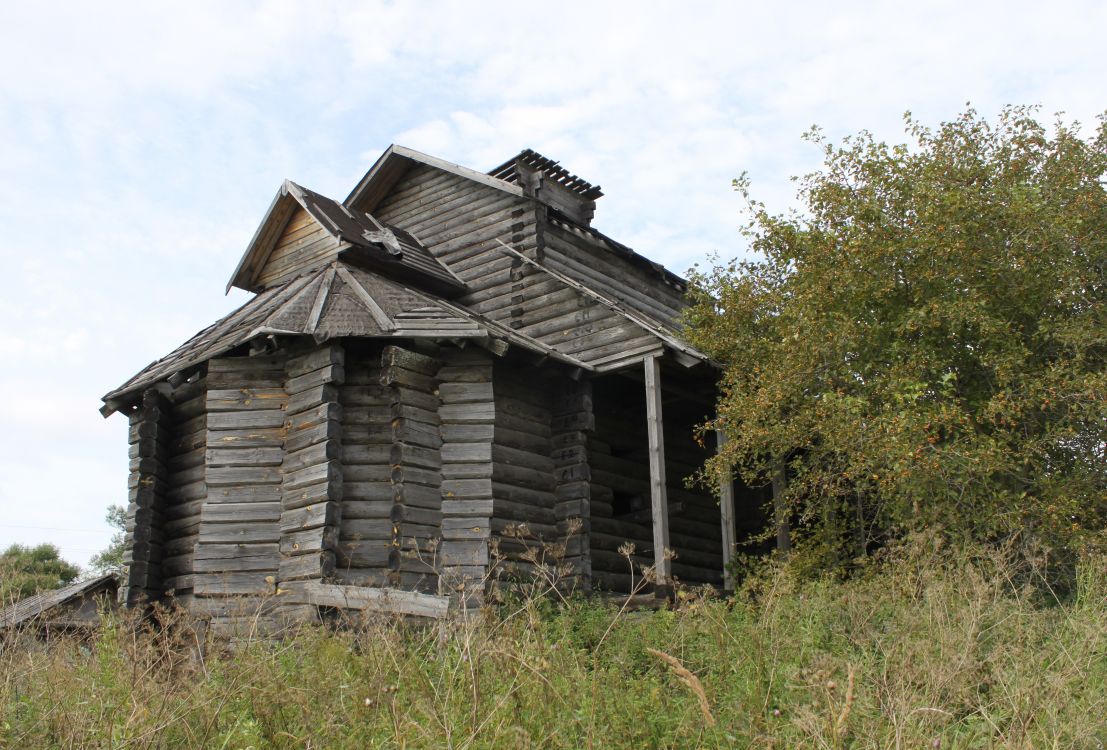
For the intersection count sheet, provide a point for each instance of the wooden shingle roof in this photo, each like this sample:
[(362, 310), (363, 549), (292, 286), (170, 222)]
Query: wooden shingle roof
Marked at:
[(39, 606), (332, 301)]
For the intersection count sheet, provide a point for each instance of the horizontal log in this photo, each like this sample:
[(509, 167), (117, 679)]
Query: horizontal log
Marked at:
[(415, 456), (312, 540), (401, 377), (312, 455), (409, 514), (474, 413), (245, 399), (327, 472), (244, 475), (465, 393), (247, 561), (312, 397), (324, 356), (394, 356), (366, 553), (246, 438), (466, 528), (236, 456), (233, 583), (310, 517), (358, 509), (466, 488), (366, 491), (467, 552), (388, 601), (246, 420), (238, 533), (466, 433), (258, 493), (466, 507), (330, 429), (315, 378), (313, 565)]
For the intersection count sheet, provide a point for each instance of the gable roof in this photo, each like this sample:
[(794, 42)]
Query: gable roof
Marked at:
[(39, 605), (392, 250), (397, 160)]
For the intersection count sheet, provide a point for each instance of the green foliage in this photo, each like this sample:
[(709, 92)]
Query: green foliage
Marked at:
[(112, 558), (28, 570), (928, 647), (926, 343)]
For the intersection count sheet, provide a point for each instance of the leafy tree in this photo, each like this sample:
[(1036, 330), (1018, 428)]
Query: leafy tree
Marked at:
[(112, 558), (28, 570), (925, 343)]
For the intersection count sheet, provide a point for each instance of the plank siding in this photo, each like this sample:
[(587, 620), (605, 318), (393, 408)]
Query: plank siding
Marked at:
[(304, 244)]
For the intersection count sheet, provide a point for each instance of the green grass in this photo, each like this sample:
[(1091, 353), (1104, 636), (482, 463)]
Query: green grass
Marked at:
[(928, 650)]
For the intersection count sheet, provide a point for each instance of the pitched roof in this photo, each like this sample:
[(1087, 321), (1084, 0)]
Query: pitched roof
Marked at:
[(395, 162), (392, 250), (327, 302), (39, 605)]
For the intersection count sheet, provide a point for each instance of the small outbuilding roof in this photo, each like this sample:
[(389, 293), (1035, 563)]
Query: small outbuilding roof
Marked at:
[(42, 604)]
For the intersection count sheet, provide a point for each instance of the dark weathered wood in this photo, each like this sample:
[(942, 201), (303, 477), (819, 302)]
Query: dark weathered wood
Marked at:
[(659, 503), (726, 517)]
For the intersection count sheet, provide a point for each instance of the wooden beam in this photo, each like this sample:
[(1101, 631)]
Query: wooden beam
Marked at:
[(726, 516), (658, 492)]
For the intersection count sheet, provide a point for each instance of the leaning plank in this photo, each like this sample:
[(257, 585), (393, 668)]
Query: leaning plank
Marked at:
[(390, 601)]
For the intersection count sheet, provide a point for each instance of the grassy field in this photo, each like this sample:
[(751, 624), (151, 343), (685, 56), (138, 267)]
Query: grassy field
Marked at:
[(930, 650)]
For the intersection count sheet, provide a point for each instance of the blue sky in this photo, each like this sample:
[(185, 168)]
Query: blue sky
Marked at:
[(142, 143)]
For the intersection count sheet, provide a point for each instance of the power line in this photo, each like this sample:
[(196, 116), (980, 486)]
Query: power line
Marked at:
[(50, 528)]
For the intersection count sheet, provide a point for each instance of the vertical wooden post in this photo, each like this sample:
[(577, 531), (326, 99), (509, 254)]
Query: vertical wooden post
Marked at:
[(659, 502), (726, 516)]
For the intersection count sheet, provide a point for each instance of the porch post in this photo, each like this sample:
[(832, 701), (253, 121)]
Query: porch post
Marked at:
[(726, 516), (659, 503)]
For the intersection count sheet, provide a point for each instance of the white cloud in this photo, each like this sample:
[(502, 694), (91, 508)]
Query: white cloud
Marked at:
[(144, 142)]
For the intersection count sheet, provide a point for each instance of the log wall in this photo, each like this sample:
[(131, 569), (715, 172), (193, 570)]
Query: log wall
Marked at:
[(524, 525), (415, 467), (237, 546), (186, 489), (365, 534), (149, 436), (467, 414), (311, 471), (620, 495)]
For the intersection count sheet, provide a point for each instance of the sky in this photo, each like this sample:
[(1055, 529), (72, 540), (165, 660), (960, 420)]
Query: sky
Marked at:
[(141, 144)]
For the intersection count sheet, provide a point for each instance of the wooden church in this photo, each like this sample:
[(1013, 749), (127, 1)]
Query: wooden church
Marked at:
[(446, 379)]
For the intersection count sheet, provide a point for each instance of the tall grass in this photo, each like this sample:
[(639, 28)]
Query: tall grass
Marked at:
[(928, 649)]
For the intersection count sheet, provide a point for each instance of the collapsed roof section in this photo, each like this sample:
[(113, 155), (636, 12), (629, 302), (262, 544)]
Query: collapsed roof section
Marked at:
[(355, 235)]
